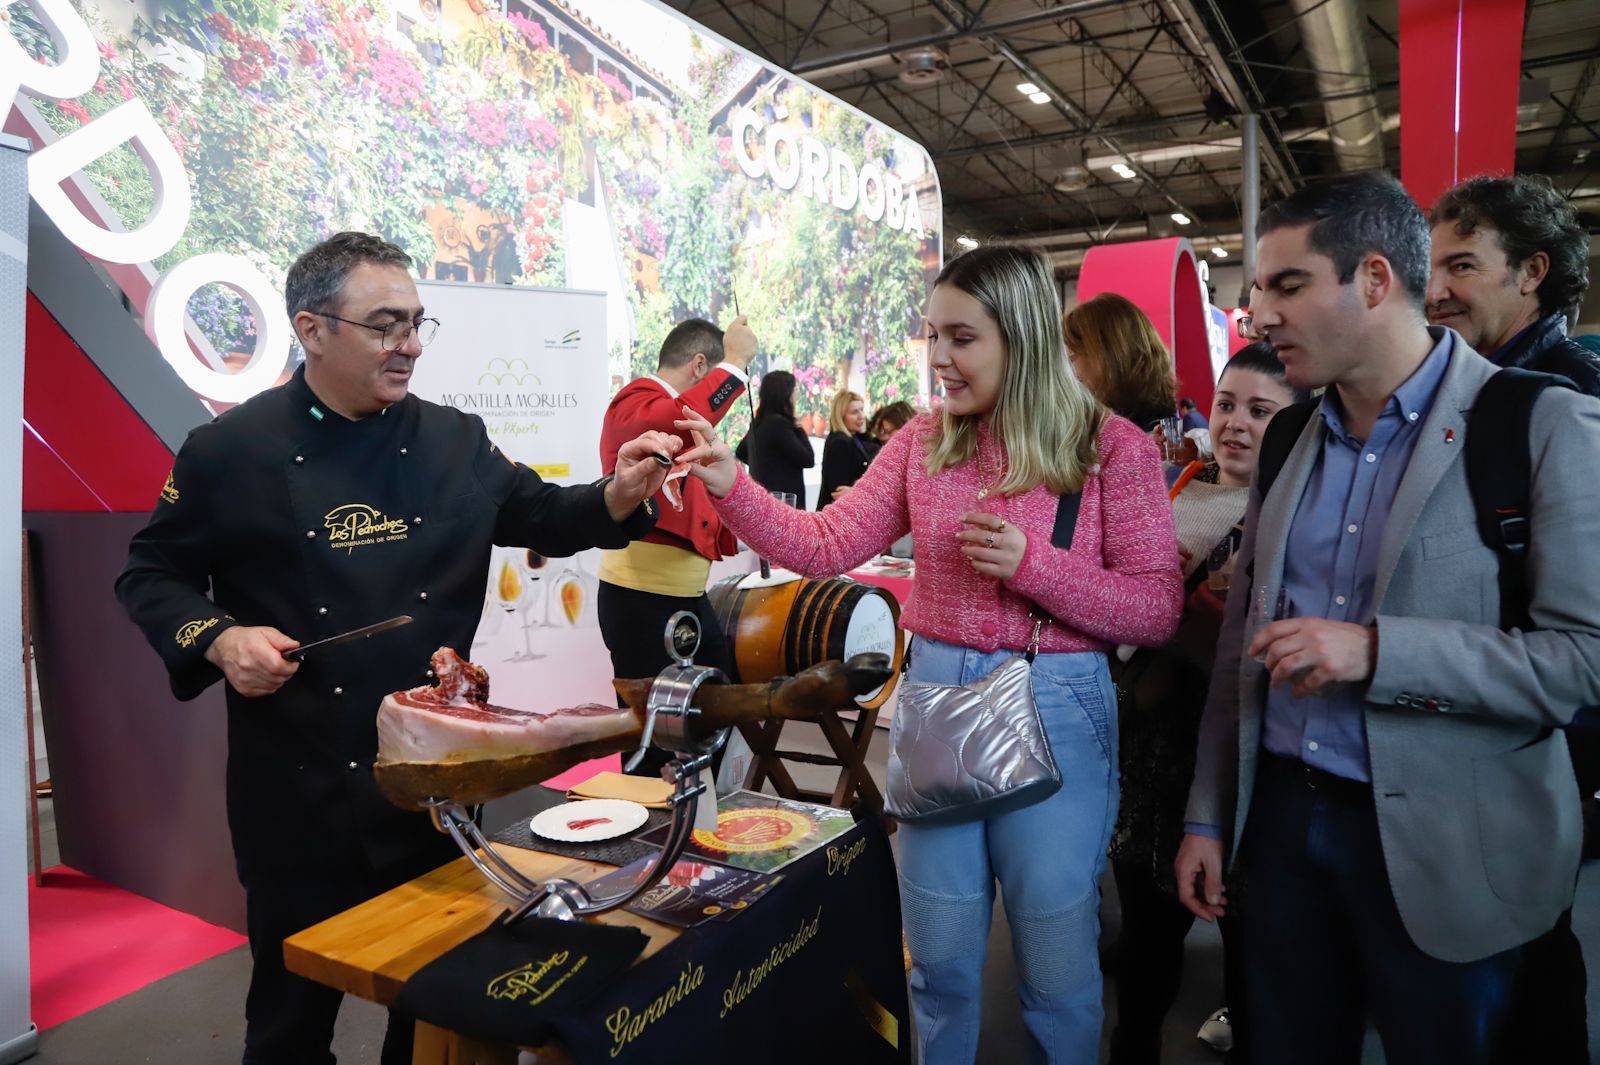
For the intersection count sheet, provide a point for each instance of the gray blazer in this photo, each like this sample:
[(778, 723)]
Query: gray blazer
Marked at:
[(1477, 807)]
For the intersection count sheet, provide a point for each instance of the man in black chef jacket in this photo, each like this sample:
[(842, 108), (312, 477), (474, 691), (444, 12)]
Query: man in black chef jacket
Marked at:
[(330, 502)]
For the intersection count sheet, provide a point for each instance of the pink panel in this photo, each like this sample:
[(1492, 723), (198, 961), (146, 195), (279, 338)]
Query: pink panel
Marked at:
[(1161, 278)]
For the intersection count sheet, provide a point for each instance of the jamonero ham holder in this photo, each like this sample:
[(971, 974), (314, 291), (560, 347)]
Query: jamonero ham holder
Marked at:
[(446, 748)]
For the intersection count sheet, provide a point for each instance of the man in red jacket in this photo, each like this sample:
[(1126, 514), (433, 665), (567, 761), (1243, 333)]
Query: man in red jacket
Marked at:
[(644, 584)]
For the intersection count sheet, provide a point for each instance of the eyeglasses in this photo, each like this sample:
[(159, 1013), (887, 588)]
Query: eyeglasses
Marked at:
[(395, 334), (1246, 327)]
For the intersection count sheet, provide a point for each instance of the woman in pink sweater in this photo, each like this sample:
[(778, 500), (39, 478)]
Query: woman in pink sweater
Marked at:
[(978, 484)]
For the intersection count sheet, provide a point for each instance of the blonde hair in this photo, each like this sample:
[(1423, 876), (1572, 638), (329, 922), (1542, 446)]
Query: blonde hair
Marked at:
[(1048, 421), (836, 410), (1132, 365)]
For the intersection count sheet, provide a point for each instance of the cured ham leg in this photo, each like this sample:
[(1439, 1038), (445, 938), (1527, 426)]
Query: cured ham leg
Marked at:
[(449, 743), (454, 721)]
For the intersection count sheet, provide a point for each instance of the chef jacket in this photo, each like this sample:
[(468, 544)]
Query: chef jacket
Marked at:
[(296, 517)]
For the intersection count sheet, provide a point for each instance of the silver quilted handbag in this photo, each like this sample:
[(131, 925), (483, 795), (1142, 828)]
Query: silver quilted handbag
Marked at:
[(962, 752)]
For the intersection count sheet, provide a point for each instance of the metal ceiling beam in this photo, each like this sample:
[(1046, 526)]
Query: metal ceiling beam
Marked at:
[(987, 147), (1009, 24), (805, 38)]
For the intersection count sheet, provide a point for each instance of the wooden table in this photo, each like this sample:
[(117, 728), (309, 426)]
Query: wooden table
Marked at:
[(372, 949), (821, 950)]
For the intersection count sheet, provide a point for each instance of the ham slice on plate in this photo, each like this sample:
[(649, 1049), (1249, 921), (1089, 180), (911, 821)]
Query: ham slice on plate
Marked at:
[(454, 721)]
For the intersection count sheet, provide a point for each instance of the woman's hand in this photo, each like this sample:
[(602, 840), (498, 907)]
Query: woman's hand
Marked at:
[(840, 492), (639, 474), (710, 459), (993, 546)]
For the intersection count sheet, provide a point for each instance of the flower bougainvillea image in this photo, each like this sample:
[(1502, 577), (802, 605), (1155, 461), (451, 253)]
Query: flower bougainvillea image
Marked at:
[(470, 136)]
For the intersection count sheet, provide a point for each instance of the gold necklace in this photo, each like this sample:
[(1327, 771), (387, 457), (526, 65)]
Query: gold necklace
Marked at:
[(984, 487)]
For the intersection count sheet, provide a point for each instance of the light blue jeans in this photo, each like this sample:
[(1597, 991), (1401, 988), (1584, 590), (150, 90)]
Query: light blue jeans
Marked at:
[(1048, 858)]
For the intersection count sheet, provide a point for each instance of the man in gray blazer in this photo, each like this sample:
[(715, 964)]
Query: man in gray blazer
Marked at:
[(1379, 760)]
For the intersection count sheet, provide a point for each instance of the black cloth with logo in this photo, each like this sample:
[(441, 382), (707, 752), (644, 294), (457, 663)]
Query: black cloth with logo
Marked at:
[(295, 517), (811, 972), (511, 983)]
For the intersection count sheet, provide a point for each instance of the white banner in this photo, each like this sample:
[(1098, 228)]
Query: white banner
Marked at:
[(532, 363)]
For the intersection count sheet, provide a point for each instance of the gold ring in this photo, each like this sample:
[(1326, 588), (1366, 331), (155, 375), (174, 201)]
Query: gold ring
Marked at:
[(1002, 527)]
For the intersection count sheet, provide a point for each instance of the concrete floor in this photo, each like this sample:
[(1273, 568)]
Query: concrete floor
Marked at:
[(196, 1017)]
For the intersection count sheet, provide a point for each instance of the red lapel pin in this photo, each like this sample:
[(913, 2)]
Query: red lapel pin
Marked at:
[(1449, 436)]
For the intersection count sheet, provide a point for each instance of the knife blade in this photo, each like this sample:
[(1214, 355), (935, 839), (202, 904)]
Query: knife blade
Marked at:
[(345, 637)]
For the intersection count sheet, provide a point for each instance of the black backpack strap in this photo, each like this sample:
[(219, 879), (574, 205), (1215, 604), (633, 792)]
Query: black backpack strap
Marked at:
[(1499, 475), (1279, 439)]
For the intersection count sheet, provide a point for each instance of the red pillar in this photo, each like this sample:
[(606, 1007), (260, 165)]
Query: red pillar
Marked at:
[(1460, 64)]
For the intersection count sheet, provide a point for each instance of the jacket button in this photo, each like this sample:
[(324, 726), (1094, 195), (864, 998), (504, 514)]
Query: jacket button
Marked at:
[(1430, 704), (1445, 706), (990, 628), (322, 611), (355, 765), (1403, 699), (402, 451), (427, 672), (423, 596), (417, 520), (311, 534), (705, 523), (298, 459), (338, 691)]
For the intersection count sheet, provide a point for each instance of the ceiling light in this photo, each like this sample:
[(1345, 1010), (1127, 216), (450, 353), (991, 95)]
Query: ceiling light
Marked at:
[(1180, 218), (966, 242), (1122, 170), (1040, 97), (1220, 252), (1027, 88)]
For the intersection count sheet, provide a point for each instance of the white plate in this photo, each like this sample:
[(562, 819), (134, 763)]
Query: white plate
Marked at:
[(620, 818)]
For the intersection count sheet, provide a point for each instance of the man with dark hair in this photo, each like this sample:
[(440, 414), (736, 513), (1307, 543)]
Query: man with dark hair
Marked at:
[(1381, 772), (1192, 418), (325, 504), (646, 582), (1510, 258)]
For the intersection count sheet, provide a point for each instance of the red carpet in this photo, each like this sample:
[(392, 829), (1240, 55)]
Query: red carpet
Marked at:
[(92, 943)]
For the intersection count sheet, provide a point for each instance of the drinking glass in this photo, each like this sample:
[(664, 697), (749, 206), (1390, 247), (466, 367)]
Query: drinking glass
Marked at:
[(787, 499), (1265, 608), (1172, 435)]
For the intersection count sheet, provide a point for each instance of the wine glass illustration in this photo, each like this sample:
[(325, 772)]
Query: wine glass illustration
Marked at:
[(524, 567)]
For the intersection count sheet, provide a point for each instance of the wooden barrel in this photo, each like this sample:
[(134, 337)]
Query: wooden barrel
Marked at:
[(780, 630)]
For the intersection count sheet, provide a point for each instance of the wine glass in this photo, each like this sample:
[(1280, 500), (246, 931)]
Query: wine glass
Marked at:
[(788, 499)]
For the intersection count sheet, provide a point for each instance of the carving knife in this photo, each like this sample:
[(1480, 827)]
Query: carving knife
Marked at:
[(345, 637)]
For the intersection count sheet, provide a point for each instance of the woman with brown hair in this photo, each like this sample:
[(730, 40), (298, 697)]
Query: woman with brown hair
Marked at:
[(1115, 350)]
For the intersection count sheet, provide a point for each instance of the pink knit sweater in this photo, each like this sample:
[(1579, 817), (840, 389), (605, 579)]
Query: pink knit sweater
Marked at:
[(1119, 584)]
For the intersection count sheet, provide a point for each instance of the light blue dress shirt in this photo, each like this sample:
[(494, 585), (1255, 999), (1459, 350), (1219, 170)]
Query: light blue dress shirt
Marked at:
[(1331, 562)]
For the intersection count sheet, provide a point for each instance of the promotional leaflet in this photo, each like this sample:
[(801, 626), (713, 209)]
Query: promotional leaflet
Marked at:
[(762, 833)]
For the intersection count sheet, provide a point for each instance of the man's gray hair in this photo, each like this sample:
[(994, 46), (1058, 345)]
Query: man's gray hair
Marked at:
[(316, 280)]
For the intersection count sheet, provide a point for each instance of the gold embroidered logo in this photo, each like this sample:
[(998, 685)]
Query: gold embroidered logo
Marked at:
[(524, 980), (191, 631), (840, 861), (356, 525), (169, 491), (625, 1025)]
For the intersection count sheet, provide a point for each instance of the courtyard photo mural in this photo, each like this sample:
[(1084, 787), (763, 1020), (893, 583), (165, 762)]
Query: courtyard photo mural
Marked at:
[(603, 145)]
